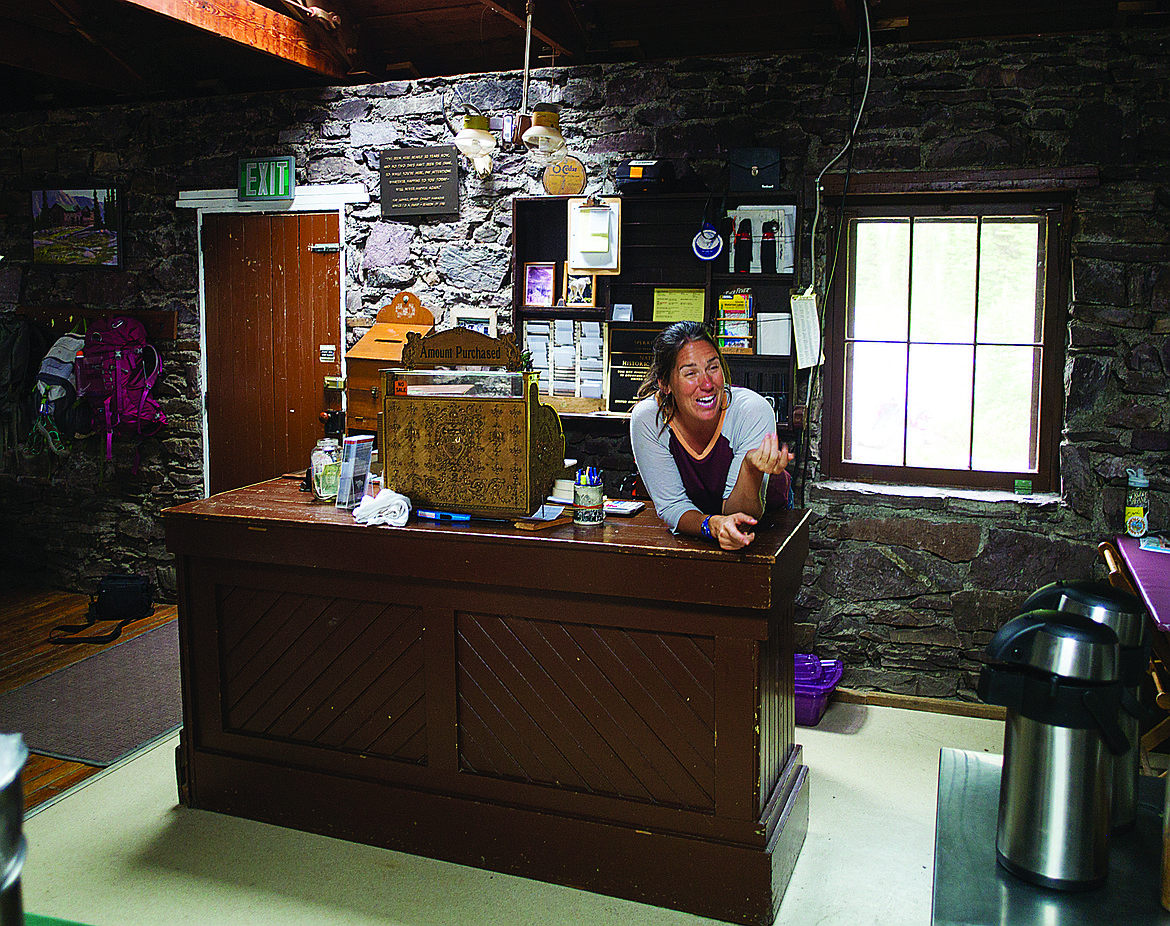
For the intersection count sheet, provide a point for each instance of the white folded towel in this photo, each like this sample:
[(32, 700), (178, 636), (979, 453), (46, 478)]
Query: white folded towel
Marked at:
[(387, 507)]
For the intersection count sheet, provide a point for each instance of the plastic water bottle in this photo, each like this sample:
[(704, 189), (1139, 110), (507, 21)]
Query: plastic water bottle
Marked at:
[(1137, 503)]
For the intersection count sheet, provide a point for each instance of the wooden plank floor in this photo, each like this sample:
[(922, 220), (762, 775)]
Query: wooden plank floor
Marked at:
[(26, 617)]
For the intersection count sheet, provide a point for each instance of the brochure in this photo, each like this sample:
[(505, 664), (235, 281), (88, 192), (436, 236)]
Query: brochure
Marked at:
[(356, 453), (1155, 543)]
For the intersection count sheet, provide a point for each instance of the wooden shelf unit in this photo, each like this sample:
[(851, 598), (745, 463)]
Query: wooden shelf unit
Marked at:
[(657, 233)]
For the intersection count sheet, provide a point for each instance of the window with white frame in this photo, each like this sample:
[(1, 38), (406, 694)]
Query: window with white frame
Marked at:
[(946, 342)]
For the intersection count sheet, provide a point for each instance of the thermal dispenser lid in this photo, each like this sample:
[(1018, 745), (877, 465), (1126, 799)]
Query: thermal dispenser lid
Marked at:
[(1098, 601), (1062, 644)]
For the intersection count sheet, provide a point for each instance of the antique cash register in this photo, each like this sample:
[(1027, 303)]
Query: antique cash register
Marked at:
[(462, 429)]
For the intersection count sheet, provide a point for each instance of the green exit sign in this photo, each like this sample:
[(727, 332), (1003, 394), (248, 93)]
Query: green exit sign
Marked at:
[(268, 179)]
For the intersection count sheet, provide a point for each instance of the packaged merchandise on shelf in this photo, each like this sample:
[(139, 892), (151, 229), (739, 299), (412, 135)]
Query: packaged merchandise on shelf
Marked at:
[(735, 322)]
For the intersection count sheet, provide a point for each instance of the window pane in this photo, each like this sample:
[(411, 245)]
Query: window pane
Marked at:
[(1011, 281), (942, 307), (876, 393), (880, 280), (1005, 434), (938, 419)]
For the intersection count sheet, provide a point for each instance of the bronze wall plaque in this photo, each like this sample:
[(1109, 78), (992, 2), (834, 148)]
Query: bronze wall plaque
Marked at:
[(419, 181)]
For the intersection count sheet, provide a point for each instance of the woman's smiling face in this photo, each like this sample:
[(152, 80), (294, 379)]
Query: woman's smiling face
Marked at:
[(697, 385)]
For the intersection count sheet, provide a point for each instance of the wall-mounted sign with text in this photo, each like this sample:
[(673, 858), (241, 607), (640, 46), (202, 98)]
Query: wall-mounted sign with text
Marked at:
[(268, 179), (419, 181)]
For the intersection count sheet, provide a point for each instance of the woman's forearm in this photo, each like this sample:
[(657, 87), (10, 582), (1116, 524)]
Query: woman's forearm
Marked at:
[(748, 493)]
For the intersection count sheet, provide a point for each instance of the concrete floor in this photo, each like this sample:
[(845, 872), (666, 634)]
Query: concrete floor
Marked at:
[(120, 850)]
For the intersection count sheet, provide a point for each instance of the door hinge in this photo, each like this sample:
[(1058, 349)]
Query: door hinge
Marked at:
[(331, 248)]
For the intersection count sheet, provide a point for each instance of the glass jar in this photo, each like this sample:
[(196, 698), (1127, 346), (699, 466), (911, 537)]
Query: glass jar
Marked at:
[(325, 463), (1137, 503)]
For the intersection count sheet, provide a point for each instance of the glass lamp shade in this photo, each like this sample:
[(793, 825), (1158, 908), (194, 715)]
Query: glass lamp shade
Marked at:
[(544, 140), (474, 140)]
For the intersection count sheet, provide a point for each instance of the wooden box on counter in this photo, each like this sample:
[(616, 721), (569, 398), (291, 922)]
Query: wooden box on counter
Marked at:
[(380, 347), (474, 441)]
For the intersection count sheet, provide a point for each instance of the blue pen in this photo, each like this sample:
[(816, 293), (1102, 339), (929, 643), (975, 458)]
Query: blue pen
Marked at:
[(442, 515)]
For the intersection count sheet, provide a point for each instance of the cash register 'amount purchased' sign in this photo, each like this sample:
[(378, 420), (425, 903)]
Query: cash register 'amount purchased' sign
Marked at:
[(419, 181)]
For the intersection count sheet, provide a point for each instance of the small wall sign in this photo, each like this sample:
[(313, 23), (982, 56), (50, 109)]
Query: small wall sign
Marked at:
[(267, 179), (565, 177), (419, 181)]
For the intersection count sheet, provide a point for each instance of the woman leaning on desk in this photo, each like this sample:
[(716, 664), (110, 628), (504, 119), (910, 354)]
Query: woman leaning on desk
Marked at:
[(706, 451)]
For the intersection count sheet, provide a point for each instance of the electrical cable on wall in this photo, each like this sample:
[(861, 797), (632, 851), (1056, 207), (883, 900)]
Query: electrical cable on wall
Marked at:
[(831, 258)]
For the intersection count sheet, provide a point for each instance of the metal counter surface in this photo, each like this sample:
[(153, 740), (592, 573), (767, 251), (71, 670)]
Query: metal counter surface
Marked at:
[(971, 888)]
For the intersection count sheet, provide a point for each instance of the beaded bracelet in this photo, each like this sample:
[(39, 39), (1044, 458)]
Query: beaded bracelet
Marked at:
[(706, 528)]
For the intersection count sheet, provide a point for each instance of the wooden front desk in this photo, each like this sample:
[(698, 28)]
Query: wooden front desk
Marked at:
[(609, 708)]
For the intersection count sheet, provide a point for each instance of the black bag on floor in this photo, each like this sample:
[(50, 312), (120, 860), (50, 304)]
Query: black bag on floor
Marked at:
[(121, 598)]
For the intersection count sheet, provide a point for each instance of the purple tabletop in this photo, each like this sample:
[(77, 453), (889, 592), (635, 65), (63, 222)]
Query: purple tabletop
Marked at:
[(1151, 574)]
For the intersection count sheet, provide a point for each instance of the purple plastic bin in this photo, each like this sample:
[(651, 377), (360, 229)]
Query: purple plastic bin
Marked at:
[(815, 681)]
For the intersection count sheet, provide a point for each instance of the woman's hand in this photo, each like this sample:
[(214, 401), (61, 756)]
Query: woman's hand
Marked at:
[(771, 456), (728, 529)]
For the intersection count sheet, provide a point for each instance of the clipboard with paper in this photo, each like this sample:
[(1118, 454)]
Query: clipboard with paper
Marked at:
[(595, 226)]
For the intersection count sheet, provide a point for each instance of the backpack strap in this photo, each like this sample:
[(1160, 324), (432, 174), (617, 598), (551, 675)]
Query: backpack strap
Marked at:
[(109, 416), (61, 633), (150, 378)]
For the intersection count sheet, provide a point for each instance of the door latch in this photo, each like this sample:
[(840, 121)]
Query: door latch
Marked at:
[(330, 248)]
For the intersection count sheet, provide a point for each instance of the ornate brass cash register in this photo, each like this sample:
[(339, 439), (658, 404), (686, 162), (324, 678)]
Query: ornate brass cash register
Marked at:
[(458, 433)]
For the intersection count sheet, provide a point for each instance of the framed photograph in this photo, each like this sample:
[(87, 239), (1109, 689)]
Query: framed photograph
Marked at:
[(78, 227), (540, 284), (579, 289)]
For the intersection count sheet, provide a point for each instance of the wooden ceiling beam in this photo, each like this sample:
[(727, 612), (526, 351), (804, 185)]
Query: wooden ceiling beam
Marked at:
[(250, 24), (61, 57), (333, 26), (77, 19), (553, 22)]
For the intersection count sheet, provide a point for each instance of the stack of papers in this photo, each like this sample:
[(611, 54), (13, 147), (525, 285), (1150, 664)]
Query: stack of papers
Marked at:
[(537, 341), (564, 360), (590, 359)]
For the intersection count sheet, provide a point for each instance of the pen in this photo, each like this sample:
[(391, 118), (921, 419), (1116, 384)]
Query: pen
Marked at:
[(442, 515)]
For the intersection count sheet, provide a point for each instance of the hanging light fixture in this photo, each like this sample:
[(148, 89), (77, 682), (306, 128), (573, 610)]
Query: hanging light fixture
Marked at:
[(544, 141), (543, 138), (475, 141)]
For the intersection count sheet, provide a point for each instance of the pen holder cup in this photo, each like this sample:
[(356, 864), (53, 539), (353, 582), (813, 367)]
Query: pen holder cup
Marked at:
[(588, 504)]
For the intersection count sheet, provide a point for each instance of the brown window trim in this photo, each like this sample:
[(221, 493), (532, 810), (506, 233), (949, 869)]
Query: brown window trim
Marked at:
[(1056, 187), (1052, 180)]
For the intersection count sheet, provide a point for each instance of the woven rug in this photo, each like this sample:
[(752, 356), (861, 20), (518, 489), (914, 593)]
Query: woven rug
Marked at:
[(105, 707)]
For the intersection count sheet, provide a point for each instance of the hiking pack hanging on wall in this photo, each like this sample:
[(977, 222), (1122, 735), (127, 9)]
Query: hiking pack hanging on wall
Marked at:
[(120, 597), (114, 376)]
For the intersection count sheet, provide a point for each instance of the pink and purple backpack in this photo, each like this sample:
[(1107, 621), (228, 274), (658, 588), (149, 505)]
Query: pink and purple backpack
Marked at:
[(112, 376)]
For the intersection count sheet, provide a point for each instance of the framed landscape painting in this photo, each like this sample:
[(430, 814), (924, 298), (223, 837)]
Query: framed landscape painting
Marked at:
[(77, 227)]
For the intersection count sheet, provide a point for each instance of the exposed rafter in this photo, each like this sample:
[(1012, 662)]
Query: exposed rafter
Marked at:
[(553, 22), (77, 19), (66, 57), (60, 53), (253, 25)]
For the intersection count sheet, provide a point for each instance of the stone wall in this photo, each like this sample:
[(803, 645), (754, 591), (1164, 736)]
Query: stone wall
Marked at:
[(905, 586)]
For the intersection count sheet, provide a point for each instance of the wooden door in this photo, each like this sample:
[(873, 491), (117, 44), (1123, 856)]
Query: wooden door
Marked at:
[(273, 313)]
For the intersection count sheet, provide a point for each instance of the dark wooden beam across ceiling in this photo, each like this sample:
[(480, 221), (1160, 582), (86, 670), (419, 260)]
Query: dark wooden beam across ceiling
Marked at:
[(253, 25), (553, 23), (67, 57)]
